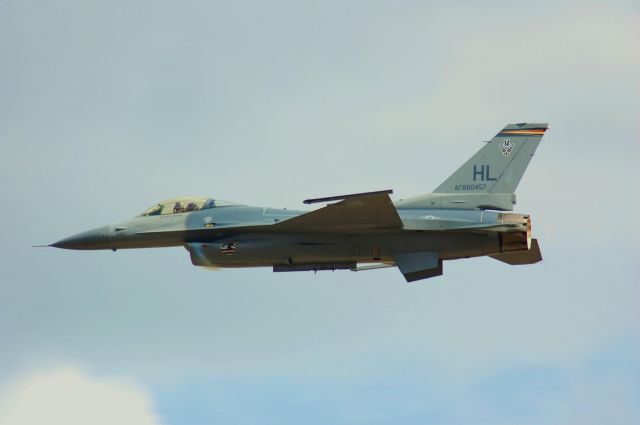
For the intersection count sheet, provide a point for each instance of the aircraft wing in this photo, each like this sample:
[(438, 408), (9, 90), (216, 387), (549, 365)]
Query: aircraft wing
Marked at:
[(355, 212)]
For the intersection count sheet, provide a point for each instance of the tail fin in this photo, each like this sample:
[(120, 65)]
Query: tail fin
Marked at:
[(500, 164)]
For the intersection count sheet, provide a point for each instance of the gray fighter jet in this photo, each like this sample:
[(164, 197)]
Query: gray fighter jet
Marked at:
[(464, 217)]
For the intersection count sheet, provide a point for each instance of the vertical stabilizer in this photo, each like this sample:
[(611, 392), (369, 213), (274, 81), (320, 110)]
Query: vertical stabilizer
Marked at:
[(499, 165)]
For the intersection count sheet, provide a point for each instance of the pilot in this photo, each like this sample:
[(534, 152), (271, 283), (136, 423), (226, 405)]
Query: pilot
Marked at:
[(178, 208), (191, 206)]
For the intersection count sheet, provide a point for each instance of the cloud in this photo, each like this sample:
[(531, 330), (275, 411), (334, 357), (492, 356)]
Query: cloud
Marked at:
[(535, 68), (69, 396), (222, 100)]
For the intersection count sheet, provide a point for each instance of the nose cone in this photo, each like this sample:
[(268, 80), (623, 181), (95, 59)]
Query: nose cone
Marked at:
[(92, 239)]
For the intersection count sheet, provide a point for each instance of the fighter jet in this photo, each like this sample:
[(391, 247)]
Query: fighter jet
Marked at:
[(465, 216)]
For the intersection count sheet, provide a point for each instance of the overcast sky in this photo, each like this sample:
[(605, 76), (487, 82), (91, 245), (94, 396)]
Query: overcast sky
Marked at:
[(109, 107)]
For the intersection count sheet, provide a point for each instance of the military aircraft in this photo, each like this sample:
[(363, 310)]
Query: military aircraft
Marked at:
[(463, 217)]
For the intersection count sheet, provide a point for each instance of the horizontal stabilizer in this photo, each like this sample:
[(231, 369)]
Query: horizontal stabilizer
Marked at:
[(359, 212), (419, 265), (517, 258)]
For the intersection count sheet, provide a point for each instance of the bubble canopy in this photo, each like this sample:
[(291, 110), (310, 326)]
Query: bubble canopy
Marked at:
[(185, 204)]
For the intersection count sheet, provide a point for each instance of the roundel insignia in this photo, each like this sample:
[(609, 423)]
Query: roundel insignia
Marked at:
[(506, 147)]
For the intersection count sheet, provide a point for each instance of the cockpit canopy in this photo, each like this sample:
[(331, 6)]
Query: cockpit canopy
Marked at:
[(185, 204)]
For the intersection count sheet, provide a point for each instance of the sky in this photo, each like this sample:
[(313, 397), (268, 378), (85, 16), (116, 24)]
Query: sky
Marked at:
[(109, 107)]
